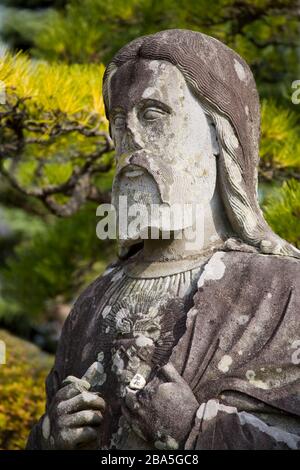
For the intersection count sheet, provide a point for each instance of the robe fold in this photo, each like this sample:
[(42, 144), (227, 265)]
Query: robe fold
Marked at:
[(239, 352)]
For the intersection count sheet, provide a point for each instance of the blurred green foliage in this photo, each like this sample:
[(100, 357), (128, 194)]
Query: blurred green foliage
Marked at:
[(53, 137), (53, 118), (282, 210), (56, 159), (60, 257), (264, 32), (22, 381), (57, 87)]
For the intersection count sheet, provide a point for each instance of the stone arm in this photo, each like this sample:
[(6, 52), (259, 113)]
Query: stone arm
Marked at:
[(73, 413), (167, 413)]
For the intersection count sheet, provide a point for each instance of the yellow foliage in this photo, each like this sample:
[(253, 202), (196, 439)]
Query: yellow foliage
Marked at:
[(280, 144), (72, 89), (60, 110), (22, 395)]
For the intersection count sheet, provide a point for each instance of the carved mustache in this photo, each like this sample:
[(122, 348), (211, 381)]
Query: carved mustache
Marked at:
[(136, 164), (144, 161)]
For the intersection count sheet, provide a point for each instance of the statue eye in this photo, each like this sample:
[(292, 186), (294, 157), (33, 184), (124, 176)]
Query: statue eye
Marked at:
[(151, 114), (119, 122)]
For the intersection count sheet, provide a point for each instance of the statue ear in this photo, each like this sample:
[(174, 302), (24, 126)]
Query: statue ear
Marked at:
[(214, 138)]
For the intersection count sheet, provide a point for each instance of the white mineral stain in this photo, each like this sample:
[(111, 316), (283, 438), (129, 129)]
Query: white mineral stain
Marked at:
[(295, 344), (225, 363), (269, 295), (273, 383), (209, 410), (250, 376), (214, 270), (296, 354), (247, 110), (227, 409), (239, 70), (296, 357)]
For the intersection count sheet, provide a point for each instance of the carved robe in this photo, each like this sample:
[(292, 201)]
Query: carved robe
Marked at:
[(234, 336)]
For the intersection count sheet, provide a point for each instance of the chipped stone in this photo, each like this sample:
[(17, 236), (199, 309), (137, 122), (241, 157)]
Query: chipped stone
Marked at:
[(214, 269)]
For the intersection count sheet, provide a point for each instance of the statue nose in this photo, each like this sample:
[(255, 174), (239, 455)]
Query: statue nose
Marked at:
[(133, 137), (130, 143)]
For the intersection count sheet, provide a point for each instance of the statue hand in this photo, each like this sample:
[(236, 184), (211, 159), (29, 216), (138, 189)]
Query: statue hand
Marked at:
[(73, 416), (162, 413)]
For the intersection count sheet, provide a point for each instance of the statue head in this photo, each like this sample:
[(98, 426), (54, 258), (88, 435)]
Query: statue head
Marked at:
[(185, 118)]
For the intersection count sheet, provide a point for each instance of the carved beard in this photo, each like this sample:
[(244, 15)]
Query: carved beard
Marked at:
[(137, 196)]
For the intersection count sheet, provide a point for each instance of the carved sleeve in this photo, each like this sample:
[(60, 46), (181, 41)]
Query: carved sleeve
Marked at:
[(220, 427)]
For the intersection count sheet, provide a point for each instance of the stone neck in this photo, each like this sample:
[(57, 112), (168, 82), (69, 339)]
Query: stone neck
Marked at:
[(211, 229), (139, 268)]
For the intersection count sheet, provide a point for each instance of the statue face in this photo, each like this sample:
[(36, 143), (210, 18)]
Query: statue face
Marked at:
[(164, 142)]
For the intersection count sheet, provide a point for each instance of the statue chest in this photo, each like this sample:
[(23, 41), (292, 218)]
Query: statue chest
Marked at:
[(141, 322)]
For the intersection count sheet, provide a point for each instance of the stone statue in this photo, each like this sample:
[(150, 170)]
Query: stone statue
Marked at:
[(180, 344)]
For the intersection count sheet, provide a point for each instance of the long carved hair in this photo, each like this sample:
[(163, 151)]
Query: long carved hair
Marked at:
[(224, 85)]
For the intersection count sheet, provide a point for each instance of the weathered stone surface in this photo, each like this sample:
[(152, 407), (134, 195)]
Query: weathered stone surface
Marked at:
[(179, 345)]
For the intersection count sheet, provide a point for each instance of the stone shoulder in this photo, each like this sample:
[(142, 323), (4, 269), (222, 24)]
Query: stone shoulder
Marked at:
[(86, 302)]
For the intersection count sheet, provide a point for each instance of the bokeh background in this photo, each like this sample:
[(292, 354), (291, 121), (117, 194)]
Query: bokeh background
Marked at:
[(56, 159)]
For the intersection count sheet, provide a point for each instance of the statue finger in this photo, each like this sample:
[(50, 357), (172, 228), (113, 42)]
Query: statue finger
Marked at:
[(67, 392), (83, 418), (172, 375), (80, 383), (84, 435), (84, 401)]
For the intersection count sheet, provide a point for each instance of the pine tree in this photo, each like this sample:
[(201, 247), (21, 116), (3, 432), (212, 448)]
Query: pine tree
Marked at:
[(55, 151)]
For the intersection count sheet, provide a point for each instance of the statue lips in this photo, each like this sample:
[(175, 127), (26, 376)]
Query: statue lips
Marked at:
[(138, 160), (133, 171)]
